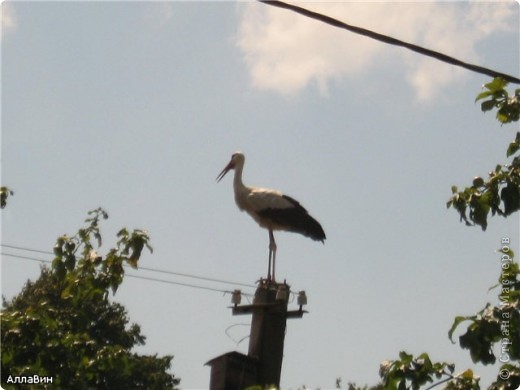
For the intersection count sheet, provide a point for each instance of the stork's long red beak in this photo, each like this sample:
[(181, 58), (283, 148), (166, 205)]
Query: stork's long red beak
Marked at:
[(228, 167)]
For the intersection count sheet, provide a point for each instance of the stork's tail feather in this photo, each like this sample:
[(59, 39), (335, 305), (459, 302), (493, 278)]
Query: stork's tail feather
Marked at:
[(313, 229)]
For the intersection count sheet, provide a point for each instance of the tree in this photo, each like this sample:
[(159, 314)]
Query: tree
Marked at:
[(409, 372), (500, 193), (494, 328), (64, 326)]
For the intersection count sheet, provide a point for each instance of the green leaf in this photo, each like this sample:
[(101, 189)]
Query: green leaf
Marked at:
[(501, 116), (480, 210), (497, 84), (70, 262), (508, 252), (488, 105), (58, 251), (510, 195), (483, 95), (4, 194), (468, 374), (455, 324)]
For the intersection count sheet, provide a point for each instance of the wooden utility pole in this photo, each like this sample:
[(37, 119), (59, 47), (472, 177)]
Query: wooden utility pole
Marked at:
[(268, 330), (263, 363)]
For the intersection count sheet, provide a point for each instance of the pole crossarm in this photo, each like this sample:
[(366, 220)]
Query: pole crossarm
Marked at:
[(391, 41)]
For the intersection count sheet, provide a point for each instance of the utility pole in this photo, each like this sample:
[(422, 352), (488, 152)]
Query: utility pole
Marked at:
[(263, 363)]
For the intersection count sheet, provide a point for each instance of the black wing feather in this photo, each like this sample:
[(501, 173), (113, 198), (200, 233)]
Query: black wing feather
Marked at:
[(295, 219)]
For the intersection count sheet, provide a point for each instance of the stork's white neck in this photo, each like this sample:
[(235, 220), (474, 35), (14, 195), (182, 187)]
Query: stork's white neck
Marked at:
[(241, 191), (237, 180)]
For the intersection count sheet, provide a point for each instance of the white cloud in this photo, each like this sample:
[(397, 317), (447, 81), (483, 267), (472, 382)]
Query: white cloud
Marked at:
[(286, 52), (7, 18)]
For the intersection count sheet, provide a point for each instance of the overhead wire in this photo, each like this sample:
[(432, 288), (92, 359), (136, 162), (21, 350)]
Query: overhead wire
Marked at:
[(179, 283), (136, 276), (198, 277), (204, 278), (162, 271), (152, 279), (25, 257), (390, 40), (26, 249)]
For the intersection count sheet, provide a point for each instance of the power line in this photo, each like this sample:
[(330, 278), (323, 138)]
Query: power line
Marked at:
[(392, 41), (26, 249), (135, 276), (197, 277), (25, 257), (179, 283), (162, 271), (204, 278)]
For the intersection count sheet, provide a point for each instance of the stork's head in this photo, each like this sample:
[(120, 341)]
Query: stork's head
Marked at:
[(237, 160)]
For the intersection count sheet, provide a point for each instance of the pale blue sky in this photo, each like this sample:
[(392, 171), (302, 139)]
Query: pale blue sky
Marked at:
[(136, 107)]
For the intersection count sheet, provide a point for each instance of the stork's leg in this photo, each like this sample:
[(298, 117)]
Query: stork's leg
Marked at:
[(272, 255), (269, 265)]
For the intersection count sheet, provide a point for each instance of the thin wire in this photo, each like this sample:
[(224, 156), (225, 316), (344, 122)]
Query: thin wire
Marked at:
[(149, 269), (25, 257), (178, 283), (292, 293), (197, 277), (137, 276), (231, 338), (392, 41), (26, 249)]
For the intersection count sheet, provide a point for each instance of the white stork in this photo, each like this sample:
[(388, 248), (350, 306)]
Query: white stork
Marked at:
[(271, 209)]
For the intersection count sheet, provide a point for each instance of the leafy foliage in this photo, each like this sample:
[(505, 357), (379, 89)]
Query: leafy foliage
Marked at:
[(508, 107), (63, 324), (508, 378), (487, 328), (409, 372), (500, 193), (502, 187), (4, 194), (353, 386), (494, 332), (497, 326)]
